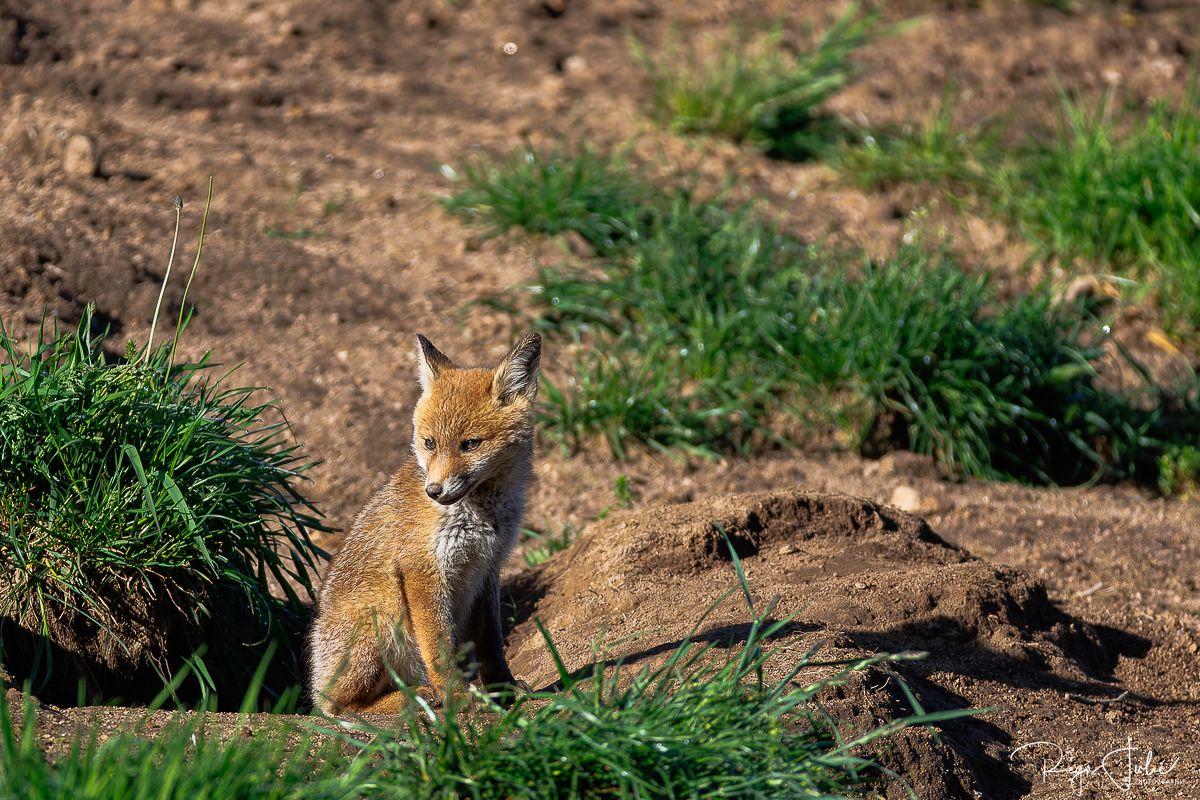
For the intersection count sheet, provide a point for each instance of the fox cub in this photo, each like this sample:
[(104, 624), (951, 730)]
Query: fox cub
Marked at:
[(418, 576)]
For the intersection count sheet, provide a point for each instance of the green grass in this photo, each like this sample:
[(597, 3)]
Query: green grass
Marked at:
[(1120, 187), (1179, 471), (1115, 189), (183, 761), (545, 544), (564, 190), (702, 723), (935, 151), (145, 504), (709, 330), (766, 91)]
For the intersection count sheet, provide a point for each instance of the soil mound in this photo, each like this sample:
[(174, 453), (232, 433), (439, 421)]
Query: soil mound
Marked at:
[(859, 573), (856, 577)]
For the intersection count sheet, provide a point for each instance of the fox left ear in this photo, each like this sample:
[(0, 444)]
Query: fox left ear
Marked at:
[(430, 361), (517, 375)]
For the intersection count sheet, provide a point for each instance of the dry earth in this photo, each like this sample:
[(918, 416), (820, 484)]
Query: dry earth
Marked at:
[(324, 125)]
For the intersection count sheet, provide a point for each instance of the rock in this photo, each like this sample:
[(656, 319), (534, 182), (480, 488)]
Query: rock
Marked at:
[(80, 156), (574, 65), (906, 498)]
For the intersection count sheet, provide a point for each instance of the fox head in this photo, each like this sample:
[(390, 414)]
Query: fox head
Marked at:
[(471, 424)]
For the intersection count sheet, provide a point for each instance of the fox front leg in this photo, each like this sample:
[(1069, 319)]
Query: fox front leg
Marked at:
[(432, 628), (488, 638)]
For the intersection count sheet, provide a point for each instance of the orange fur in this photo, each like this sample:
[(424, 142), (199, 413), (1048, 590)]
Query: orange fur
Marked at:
[(418, 575)]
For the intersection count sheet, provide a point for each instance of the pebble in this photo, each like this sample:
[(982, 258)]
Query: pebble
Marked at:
[(906, 498), (80, 157), (574, 65)]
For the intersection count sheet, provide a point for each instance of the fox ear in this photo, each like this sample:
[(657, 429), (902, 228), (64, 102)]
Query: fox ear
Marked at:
[(430, 362), (517, 375)]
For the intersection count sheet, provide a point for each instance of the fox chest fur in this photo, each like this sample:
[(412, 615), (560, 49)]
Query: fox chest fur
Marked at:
[(473, 539)]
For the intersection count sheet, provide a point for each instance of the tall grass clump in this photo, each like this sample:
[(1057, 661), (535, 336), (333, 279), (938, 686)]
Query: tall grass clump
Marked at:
[(146, 508), (1002, 390), (1122, 188), (700, 723), (766, 91), (711, 331)]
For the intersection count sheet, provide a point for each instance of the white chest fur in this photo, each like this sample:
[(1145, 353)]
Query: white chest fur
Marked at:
[(474, 537)]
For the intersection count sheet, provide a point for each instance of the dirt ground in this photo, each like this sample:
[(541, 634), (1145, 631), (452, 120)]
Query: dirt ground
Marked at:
[(325, 126)]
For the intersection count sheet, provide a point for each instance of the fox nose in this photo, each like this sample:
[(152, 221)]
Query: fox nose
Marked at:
[(434, 490)]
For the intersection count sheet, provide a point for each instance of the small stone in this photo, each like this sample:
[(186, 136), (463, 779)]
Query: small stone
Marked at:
[(907, 499), (343, 355), (79, 156), (860, 585), (786, 549), (574, 65)]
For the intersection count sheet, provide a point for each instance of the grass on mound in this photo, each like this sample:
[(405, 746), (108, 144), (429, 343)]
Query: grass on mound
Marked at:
[(145, 505), (766, 91), (699, 725), (710, 330), (1122, 188)]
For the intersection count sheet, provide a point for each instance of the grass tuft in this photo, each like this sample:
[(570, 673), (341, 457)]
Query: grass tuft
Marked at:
[(554, 192), (765, 91), (935, 151), (145, 507), (1120, 187), (547, 544), (1179, 471)]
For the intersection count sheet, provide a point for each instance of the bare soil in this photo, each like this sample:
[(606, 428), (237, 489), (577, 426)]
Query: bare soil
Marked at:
[(325, 124)]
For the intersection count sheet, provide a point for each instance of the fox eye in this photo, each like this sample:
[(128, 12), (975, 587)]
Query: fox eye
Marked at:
[(429, 443), (471, 444)]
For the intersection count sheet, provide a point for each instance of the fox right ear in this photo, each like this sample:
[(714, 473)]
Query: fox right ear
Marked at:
[(430, 362)]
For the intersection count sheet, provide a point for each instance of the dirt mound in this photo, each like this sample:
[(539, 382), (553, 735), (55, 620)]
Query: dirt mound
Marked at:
[(855, 577), (860, 573)]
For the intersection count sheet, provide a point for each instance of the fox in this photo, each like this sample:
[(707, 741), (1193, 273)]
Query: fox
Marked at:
[(417, 578)]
